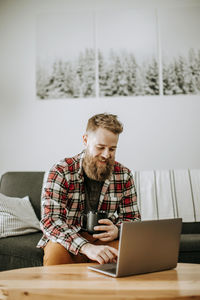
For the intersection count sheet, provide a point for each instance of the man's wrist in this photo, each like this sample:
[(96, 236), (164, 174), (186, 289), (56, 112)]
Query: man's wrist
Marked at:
[(83, 248)]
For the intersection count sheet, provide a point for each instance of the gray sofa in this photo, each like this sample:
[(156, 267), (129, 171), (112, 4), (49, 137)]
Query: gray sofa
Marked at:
[(21, 252)]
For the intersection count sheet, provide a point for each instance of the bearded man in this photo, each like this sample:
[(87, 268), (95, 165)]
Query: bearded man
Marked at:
[(91, 181)]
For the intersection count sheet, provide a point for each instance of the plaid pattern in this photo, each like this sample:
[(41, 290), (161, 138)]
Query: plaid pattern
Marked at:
[(63, 202)]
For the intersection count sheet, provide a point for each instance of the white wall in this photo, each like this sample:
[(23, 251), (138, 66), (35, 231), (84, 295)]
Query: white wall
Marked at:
[(160, 132)]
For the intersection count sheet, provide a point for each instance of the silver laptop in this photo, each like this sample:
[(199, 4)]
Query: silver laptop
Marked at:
[(145, 246)]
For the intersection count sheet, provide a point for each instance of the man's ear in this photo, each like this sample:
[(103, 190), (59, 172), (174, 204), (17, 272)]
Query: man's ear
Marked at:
[(85, 139)]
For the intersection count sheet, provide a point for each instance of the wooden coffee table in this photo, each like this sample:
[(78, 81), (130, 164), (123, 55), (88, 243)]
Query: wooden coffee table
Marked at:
[(77, 282)]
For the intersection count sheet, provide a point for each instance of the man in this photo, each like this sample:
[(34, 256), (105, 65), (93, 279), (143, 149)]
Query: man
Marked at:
[(89, 181)]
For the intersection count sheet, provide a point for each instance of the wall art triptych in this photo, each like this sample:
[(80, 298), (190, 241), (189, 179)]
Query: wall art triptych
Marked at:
[(119, 53)]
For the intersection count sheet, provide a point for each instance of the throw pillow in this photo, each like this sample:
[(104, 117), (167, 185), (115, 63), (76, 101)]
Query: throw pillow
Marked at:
[(17, 216)]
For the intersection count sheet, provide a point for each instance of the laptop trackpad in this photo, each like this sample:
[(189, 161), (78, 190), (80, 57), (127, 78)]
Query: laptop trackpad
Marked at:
[(111, 268)]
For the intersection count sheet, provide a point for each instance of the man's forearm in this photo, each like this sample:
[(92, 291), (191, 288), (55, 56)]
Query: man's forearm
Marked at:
[(100, 253)]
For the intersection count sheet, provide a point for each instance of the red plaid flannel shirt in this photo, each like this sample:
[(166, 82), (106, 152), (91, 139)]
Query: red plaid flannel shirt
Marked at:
[(63, 202)]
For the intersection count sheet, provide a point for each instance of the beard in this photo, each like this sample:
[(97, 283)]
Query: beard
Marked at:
[(95, 171)]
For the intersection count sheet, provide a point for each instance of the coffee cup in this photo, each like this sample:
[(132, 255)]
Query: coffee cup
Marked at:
[(92, 220)]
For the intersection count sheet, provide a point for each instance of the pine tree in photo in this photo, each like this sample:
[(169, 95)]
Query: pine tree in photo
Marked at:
[(182, 74), (120, 74), (152, 79), (170, 82), (102, 73), (115, 71), (131, 73), (105, 76), (69, 81), (86, 73), (197, 75), (194, 66), (90, 73), (167, 80), (56, 82), (189, 82), (140, 81), (42, 81)]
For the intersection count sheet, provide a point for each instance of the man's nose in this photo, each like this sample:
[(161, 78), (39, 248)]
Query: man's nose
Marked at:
[(106, 153)]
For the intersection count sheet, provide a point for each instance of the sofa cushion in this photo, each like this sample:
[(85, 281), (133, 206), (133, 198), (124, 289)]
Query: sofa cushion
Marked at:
[(190, 242), (21, 184), (20, 252)]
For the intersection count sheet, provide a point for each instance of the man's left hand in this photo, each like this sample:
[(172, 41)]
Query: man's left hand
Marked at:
[(111, 231)]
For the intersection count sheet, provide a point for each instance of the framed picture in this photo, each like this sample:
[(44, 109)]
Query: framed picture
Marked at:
[(118, 53)]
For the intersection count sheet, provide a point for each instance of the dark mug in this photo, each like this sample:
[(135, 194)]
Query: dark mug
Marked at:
[(92, 221)]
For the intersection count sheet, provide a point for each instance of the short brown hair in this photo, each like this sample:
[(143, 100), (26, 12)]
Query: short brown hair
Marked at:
[(107, 121)]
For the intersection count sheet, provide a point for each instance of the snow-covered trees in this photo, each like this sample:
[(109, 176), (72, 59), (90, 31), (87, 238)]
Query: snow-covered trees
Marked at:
[(182, 74), (119, 74), (68, 79)]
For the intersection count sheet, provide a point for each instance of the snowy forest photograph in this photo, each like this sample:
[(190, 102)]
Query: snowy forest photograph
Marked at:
[(180, 44), (112, 54)]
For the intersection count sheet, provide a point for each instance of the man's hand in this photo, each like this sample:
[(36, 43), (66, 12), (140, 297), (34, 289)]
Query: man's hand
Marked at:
[(101, 254), (111, 231)]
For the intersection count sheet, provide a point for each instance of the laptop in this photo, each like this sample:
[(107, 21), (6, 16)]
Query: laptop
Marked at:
[(144, 247)]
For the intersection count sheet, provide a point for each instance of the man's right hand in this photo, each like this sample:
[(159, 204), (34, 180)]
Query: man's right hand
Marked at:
[(101, 254)]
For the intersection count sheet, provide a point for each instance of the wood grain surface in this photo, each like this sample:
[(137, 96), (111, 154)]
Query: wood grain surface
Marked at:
[(77, 282)]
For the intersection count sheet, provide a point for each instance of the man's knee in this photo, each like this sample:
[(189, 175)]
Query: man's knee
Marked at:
[(55, 254)]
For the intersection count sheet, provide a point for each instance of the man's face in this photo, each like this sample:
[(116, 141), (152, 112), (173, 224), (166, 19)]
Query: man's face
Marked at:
[(100, 153)]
